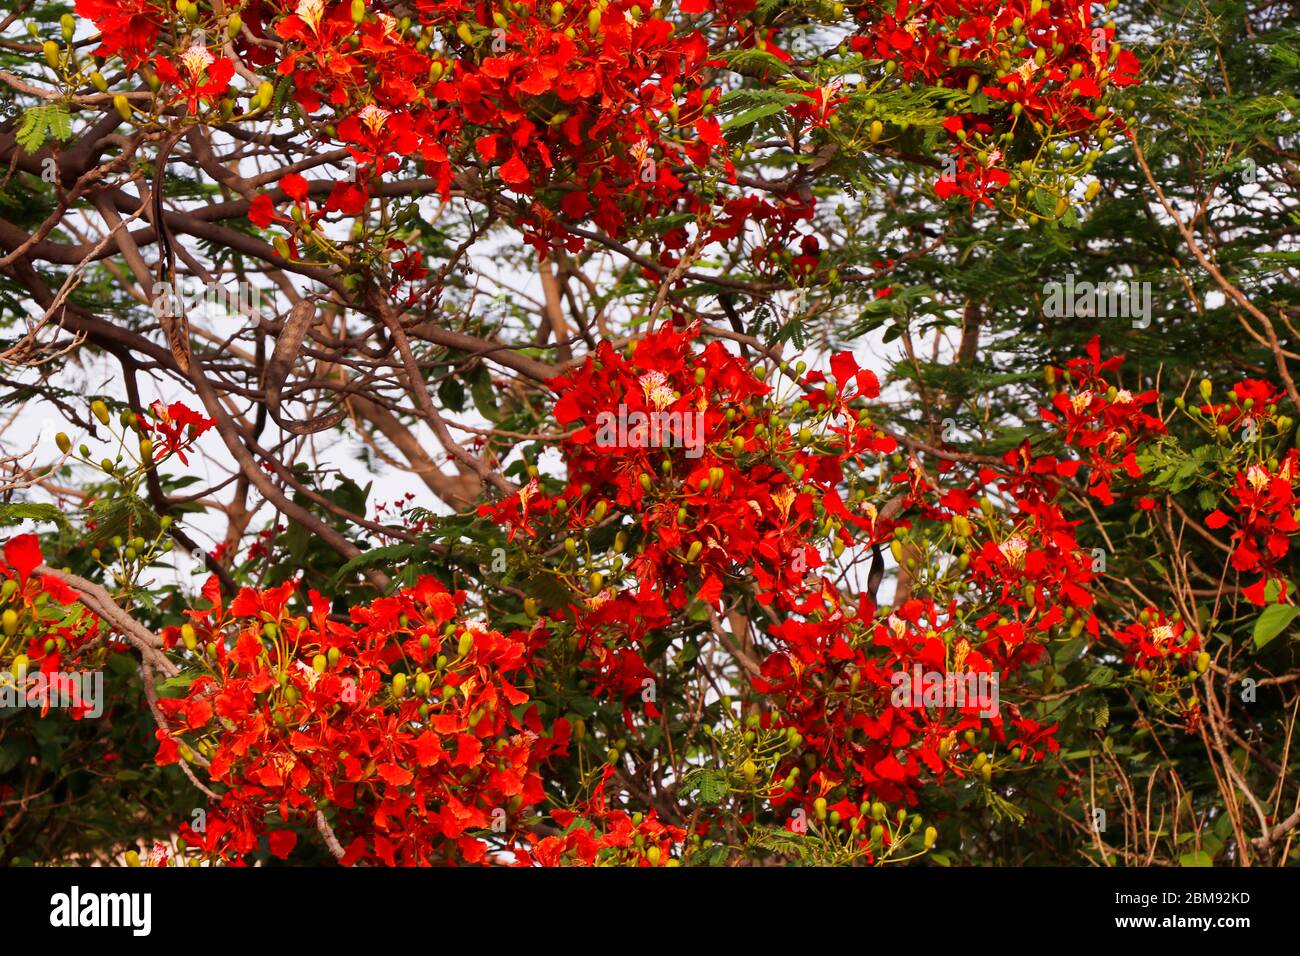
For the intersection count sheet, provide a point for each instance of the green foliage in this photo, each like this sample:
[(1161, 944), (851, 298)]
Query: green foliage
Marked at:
[(41, 123)]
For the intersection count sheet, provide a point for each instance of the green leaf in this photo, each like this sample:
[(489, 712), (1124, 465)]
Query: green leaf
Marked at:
[(40, 120), (710, 786), (660, 225), (10, 754), (714, 855), (751, 115), (484, 394), (350, 495), (177, 685), (1101, 676), (1102, 716), (392, 552), (1273, 621), (31, 132), (1044, 202), (549, 590), (32, 511), (1273, 588), (1199, 858), (755, 63), (58, 121), (296, 540), (452, 394)]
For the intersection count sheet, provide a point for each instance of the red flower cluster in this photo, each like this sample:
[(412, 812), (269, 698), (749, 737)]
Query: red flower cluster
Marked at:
[(1105, 422), (1042, 64), (42, 628), (1264, 506), (830, 685), (719, 486), (200, 76), (408, 730), (1155, 642), (592, 108), (606, 836), (1025, 579), (721, 478), (127, 28), (1252, 402), (177, 425), (411, 734)]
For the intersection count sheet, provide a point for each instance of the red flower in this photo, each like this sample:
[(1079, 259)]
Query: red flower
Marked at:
[(179, 427), (128, 28), (23, 554), (261, 211), (282, 843), (196, 63), (294, 186)]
